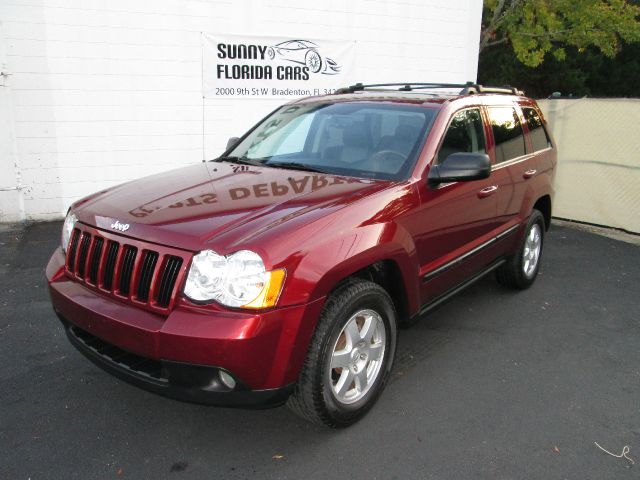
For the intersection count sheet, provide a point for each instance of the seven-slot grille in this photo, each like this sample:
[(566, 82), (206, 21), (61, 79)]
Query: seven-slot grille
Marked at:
[(143, 274)]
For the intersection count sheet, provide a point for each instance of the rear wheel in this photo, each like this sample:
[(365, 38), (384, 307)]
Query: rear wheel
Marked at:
[(350, 356), (521, 269)]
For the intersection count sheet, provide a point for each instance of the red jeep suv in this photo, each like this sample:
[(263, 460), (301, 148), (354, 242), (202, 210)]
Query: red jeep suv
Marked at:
[(281, 271)]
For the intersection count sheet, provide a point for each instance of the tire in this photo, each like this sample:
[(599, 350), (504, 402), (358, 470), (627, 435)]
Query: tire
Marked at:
[(521, 268), (357, 329)]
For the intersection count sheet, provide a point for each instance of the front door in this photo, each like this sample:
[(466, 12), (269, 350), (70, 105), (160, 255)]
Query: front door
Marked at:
[(454, 218)]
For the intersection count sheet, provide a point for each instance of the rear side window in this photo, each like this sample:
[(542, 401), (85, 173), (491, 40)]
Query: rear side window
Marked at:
[(539, 137), (507, 133), (465, 134)]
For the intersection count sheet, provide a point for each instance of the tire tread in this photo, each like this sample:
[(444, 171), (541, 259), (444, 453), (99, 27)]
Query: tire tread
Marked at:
[(306, 401)]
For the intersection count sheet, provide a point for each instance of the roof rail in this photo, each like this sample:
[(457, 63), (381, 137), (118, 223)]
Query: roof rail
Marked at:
[(468, 88), (477, 88)]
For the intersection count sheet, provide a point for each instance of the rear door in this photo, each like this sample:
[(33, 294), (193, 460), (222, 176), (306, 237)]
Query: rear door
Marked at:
[(513, 161), (540, 144)]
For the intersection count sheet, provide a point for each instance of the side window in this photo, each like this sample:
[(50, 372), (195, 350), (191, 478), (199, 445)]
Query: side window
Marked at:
[(507, 133), (465, 134), (539, 137)]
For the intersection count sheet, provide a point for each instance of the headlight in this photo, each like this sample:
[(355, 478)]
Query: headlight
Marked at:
[(67, 229), (237, 280)]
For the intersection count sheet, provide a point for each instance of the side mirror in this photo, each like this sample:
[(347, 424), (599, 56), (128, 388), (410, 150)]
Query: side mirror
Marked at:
[(232, 142), (461, 167)]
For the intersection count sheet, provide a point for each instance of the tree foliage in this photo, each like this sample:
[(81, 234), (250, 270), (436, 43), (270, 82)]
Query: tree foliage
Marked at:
[(534, 28), (586, 73)]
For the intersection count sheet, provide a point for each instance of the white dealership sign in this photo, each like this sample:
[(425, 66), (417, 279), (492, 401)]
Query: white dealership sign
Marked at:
[(273, 67)]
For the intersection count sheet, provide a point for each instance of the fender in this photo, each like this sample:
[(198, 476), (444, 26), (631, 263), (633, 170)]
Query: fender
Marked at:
[(325, 267)]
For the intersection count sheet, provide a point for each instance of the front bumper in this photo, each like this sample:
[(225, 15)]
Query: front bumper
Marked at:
[(181, 381), (181, 355)]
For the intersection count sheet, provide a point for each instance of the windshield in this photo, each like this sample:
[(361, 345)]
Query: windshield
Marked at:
[(360, 139)]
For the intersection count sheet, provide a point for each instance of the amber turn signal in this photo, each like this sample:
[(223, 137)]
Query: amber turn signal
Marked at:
[(270, 293)]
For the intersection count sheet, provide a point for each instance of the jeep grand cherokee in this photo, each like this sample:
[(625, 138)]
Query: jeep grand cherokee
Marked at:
[(281, 271)]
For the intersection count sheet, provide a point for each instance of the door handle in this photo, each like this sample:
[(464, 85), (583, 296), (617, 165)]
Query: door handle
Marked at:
[(485, 192), (529, 173)]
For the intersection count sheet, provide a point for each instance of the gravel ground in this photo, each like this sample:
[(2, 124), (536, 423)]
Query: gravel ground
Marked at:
[(493, 385)]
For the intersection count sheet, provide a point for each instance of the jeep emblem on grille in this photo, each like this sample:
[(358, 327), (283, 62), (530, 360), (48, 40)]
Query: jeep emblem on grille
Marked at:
[(123, 227)]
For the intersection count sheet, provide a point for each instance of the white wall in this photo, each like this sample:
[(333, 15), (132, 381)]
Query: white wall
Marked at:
[(103, 92)]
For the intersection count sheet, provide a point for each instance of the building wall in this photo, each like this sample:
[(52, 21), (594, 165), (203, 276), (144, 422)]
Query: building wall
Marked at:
[(11, 207), (105, 92)]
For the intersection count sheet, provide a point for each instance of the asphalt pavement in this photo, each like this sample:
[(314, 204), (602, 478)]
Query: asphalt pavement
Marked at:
[(492, 385)]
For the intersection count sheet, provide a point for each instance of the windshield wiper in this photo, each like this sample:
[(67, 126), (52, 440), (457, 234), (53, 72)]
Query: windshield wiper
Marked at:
[(240, 160), (295, 166)]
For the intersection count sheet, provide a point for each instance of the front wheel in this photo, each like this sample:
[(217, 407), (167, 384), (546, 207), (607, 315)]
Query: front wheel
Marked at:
[(521, 269), (313, 60), (350, 356)]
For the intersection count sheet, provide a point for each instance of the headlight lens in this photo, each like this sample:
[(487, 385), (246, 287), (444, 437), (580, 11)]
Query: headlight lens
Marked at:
[(67, 229), (237, 280)]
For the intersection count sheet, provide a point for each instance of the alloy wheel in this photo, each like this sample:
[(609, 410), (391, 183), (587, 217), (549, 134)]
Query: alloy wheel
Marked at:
[(357, 356), (531, 251)]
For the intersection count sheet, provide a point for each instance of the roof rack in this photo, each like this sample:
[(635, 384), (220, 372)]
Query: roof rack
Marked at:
[(468, 88)]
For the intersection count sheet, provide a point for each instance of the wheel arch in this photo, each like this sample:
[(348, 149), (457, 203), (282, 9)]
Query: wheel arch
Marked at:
[(543, 204), (387, 274), (392, 270)]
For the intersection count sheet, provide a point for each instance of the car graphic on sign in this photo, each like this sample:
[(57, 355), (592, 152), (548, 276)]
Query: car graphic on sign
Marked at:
[(305, 53)]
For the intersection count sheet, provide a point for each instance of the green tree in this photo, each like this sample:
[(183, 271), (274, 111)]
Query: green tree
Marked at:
[(533, 28), (589, 72)]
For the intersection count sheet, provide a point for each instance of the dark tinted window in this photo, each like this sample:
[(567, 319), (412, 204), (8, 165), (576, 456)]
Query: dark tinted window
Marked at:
[(539, 137), (507, 133), (465, 134)]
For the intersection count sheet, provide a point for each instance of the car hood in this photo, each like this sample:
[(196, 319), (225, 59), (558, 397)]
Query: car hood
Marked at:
[(221, 204)]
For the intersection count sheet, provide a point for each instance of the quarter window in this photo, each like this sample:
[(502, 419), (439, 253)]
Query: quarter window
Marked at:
[(465, 134), (507, 133), (537, 132)]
